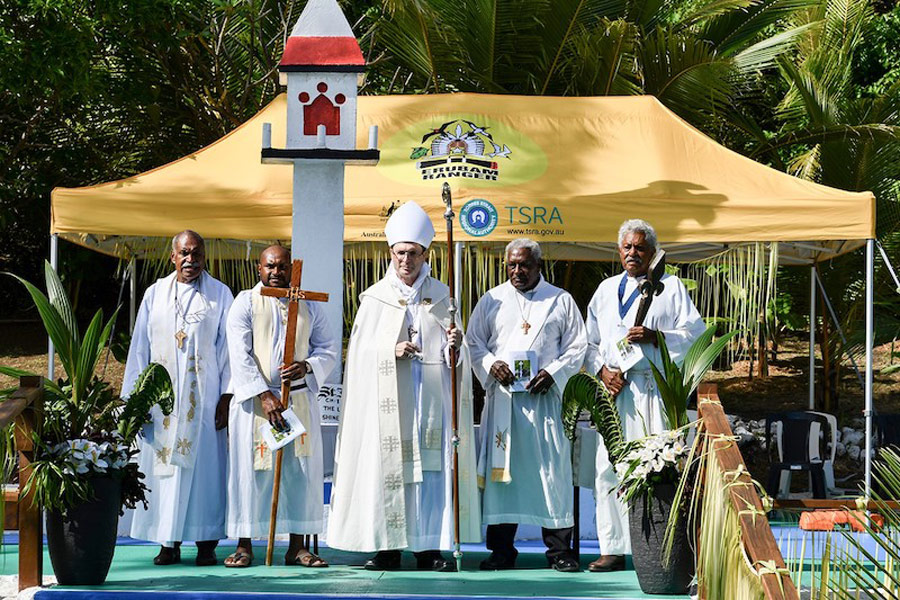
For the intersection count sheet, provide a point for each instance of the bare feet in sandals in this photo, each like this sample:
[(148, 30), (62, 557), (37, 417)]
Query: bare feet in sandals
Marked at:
[(239, 560), (304, 558), (242, 557)]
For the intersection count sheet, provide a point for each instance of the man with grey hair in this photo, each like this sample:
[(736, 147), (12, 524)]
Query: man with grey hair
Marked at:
[(610, 319), (181, 325), (526, 338)]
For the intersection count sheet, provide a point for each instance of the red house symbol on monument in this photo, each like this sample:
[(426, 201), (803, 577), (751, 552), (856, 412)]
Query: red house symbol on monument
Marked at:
[(321, 111)]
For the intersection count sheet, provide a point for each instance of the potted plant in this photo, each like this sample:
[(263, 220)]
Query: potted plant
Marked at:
[(83, 474), (651, 469)]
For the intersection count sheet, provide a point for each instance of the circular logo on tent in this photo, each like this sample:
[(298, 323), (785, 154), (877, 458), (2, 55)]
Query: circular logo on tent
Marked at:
[(478, 217)]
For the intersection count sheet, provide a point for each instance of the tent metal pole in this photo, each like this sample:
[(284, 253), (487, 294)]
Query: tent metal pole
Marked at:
[(870, 339), (132, 293), (54, 260), (840, 330), (812, 337)]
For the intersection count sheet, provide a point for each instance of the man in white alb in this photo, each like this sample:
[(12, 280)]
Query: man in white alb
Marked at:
[(610, 318), (526, 338), (393, 462), (181, 325), (257, 326)]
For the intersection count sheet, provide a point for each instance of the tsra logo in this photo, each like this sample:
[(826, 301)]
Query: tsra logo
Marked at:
[(460, 148), (478, 217)]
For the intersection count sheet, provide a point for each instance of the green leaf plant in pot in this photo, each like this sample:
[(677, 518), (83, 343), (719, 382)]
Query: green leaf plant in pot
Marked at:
[(652, 469), (83, 473)]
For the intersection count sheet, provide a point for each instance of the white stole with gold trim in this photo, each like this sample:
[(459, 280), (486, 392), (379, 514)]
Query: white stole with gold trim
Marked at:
[(263, 312)]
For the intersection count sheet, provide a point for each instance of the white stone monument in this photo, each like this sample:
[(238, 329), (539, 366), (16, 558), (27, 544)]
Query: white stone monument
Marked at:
[(320, 66)]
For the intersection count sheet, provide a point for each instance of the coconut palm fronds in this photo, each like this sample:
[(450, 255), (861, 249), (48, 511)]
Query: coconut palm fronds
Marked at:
[(586, 392)]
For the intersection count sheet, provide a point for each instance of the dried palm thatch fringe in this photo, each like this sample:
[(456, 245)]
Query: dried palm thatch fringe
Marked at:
[(735, 287), (482, 268), (722, 567), (739, 287)]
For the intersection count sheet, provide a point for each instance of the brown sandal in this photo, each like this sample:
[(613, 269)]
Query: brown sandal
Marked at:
[(305, 560), (239, 560)]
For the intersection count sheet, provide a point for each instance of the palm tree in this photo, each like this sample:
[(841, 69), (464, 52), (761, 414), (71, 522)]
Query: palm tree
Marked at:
[(828, 128), (696, 57)]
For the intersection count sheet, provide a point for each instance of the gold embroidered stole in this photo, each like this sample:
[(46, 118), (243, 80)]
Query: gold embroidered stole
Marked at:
[(174, 435), (404, 456), (497, 451), (263, 329)]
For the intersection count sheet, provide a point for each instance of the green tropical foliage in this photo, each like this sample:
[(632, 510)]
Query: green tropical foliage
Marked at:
[(86, 430), (95, 91), (866, 565), (676, 383), (584, 392)]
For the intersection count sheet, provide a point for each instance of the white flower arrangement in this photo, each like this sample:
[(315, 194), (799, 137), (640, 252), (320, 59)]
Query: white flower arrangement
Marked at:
[(658, 458), (82, 456)]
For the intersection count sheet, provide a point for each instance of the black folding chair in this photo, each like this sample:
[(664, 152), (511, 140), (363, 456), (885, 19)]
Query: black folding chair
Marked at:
[(887, 430), (795, 449)]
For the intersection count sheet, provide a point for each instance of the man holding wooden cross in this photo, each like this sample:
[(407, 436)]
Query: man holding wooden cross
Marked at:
[(613, 316), (257, 326), (181, 325), (393, 475)]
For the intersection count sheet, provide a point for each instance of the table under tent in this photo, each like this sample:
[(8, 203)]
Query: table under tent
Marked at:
[(563, 171)]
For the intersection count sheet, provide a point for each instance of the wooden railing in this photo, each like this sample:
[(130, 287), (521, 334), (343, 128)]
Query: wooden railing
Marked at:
[(23, 408), (755, 533)]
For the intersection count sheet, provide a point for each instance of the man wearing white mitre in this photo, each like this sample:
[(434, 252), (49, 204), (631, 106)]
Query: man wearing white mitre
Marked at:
[(526, 338), (257, 326), (181, 325), (610, 318), (393, 460)]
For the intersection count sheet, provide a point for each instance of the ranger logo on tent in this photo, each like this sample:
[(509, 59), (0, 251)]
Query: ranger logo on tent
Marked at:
[(469, 152)]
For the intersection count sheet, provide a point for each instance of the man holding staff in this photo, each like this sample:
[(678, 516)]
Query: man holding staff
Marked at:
[(392, 472), (610, 319), (257, 325)]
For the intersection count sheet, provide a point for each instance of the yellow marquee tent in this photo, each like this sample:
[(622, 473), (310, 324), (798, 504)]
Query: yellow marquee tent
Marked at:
[(563, 170)]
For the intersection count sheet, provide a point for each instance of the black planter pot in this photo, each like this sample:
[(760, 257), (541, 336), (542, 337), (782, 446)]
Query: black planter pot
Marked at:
[(647, 523), (81, 541)]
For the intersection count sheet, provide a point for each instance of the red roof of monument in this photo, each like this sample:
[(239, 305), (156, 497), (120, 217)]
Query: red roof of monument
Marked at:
[(322, 37), (321, 51)]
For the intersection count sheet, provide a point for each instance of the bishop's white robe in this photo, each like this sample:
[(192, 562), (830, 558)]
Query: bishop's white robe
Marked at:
[(250, 471), (183, 456), (393, 459), (525, 462), (639, 403)]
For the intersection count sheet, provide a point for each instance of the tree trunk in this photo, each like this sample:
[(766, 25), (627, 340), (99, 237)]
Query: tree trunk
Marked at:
[(763, 358)]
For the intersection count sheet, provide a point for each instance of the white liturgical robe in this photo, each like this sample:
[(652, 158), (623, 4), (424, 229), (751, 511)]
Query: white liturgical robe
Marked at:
[(250, 472), (182, 455), (640, 407), (525, 462), (393, 460)]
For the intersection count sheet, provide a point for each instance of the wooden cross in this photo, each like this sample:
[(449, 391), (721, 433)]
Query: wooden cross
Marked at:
[(294, 294), (180, 336), (525, 326)]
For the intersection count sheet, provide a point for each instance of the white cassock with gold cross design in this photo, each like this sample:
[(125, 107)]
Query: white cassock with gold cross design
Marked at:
[(182, 327)]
